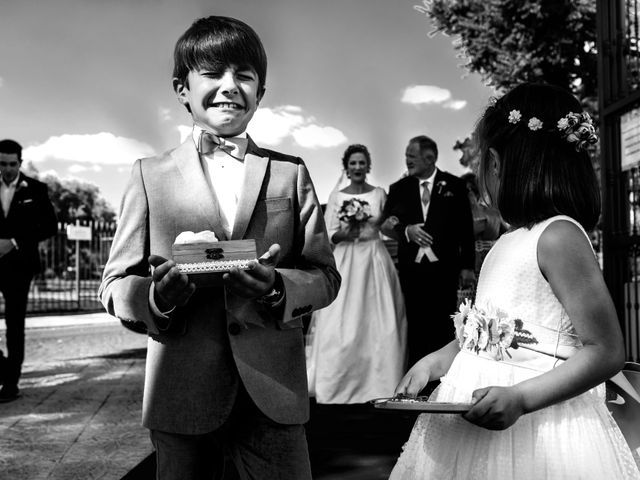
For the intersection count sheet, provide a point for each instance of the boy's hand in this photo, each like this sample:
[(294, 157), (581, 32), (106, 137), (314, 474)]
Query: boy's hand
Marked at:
[(259, 279), (495, 408), (415, 379), (172, 287)]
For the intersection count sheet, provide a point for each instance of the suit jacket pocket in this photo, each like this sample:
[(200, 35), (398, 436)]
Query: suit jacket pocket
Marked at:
[(279, 204)]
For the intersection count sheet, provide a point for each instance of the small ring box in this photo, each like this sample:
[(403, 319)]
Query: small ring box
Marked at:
[(206, 262)]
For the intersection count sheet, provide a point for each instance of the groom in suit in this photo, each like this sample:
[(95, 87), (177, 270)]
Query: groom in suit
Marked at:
[(428, 213), (27, 217), (225, 365)]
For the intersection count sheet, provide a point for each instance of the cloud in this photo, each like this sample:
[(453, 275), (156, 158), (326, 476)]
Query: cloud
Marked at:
[(314, 136), (271, 126), (431, 94), (77, 168), (455, 104), (164, 114), (184, 131), (100, 148)]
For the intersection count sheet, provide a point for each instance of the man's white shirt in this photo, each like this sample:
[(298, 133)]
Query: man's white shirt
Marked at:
[(6, 194), (426, 251)]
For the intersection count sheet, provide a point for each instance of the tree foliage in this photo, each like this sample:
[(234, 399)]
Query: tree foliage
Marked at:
[(74, 199), (509, 42)]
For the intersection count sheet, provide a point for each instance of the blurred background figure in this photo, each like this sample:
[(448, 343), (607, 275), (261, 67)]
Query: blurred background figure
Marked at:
[(27, 217), (487, 222), (356, 349)]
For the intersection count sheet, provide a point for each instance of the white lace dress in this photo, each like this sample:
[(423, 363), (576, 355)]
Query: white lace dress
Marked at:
[(357, 345), (574, 439)]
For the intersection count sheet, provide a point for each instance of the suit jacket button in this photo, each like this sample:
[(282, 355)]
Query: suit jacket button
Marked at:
[(234, 328)]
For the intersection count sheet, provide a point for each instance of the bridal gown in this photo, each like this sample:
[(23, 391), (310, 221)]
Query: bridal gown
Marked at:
[(574, 439), (357, 345)]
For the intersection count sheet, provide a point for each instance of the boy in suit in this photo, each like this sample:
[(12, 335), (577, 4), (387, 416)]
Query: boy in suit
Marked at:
[(429, 214), (225, 365), (27, 218)]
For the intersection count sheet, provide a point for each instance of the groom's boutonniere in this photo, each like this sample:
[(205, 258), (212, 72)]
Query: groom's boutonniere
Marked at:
[(23, 184), (441, 185)]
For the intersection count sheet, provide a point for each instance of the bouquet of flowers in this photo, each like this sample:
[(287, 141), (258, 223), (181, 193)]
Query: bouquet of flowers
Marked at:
[(354, 211), (489, 329)]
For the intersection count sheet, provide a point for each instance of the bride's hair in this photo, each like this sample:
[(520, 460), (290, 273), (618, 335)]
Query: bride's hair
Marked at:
[(541, 173), (356, 148)]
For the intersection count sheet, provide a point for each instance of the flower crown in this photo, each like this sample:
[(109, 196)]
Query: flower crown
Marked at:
[(573, 127)]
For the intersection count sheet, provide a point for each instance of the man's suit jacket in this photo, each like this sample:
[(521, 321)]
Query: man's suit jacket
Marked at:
[(31, 219), (193, 366), (449, 219)]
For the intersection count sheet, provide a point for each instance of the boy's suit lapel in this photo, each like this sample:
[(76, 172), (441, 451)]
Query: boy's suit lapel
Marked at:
[(196, 187), (255, 167)]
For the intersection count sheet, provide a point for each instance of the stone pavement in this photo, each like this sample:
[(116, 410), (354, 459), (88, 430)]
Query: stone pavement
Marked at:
[(78, 418)]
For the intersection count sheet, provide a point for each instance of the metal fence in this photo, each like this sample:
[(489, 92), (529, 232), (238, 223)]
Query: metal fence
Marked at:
[(71, 270)]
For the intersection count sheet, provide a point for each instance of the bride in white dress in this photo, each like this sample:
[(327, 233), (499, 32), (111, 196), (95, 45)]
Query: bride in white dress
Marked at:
[(357, 344)]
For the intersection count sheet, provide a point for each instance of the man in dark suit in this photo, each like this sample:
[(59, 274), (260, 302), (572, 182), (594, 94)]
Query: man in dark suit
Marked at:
[(27, 217), (428, 213)]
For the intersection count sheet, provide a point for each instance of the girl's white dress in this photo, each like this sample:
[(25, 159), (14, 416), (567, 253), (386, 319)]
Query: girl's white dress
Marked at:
[(357, 345), (574, 439)]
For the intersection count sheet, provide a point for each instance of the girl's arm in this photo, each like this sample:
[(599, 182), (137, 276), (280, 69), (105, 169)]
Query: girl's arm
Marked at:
[(427, 369), (567, 261)]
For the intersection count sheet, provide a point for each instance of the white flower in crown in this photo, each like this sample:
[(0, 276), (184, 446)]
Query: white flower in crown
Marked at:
[(534, 124), (563, 123), (514, 116)]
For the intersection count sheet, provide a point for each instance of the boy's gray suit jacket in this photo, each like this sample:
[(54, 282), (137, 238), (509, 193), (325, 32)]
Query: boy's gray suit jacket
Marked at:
[(195, 364)]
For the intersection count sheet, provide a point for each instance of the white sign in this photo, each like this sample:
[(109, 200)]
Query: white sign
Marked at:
[(630, 139), (76, 232)]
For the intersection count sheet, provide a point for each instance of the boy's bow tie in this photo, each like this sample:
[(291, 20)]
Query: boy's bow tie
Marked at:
[(234, 146)]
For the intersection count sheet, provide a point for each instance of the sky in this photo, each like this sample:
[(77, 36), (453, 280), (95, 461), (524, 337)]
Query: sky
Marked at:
[(85, 85)]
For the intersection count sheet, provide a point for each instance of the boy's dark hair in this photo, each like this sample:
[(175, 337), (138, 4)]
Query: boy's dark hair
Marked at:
[(356, 148), (212, 43), (425, 143), (541, 173), (11, 146)]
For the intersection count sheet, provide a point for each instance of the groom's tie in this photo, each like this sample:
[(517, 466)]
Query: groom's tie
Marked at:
[(234, 146), (425, 251), (426, 196)]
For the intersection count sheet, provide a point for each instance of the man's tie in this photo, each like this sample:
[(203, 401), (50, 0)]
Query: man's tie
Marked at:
[(426, 196), (234, 146)]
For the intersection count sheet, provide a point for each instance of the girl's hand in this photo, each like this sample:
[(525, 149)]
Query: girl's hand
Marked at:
[(496, 408), (415, 379)]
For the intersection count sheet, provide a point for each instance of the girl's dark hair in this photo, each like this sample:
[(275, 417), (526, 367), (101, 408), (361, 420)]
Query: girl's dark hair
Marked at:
[(213, 43), (541, 174), (356, 148)]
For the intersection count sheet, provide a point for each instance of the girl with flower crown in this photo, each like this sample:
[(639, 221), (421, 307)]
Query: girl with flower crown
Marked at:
[(357, 345), (531, 356)]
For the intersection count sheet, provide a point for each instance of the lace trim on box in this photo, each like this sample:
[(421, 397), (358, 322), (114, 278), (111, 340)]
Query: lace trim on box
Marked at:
[(219, 266)]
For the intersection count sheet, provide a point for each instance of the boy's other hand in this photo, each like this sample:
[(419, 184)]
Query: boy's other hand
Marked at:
[(258, 279), (171, 287)]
